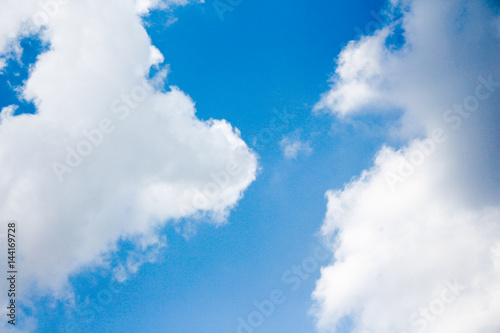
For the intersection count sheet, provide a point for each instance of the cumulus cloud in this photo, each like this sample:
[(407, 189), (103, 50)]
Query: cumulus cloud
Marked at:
[(106, 157), (416, 237), (395, 252), (357, 79)]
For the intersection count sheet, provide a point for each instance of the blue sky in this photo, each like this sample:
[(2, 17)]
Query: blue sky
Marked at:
[(263, 59)]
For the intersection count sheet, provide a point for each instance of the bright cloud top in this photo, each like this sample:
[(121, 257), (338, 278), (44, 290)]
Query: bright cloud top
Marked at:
[(106, 157), (416, 237)]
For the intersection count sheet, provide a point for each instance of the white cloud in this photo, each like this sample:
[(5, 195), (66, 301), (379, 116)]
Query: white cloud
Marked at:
[(144, 6), (397, 243), (155, 163), (395, 250), (292, 146), (358, 76), (13, 17)]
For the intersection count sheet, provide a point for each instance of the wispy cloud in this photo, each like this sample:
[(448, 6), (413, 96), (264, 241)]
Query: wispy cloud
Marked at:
[(292, 147)]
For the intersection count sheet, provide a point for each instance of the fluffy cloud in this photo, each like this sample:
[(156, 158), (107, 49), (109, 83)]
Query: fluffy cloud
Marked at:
[(395, 252), (416, 237), (106, 157), (358, 76)]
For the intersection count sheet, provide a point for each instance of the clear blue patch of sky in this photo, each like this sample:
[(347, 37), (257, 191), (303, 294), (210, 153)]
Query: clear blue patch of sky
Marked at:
[(16, 73)]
